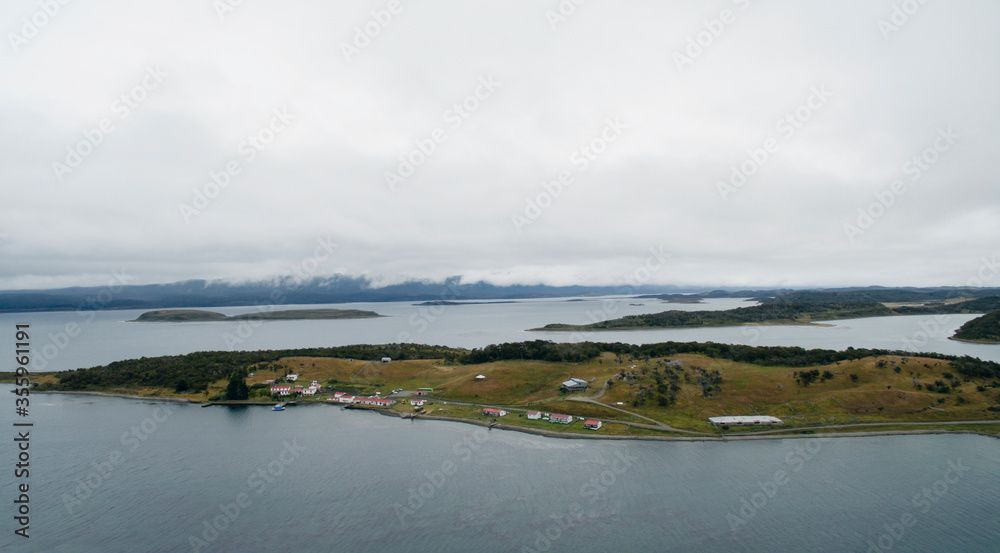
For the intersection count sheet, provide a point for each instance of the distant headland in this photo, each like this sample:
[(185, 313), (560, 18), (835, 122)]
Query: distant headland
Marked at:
[(197, 315)]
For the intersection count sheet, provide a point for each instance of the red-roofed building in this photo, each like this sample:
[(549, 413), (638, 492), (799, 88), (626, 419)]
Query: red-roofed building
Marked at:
[(490, 412), (281, 390), (561, 419), (534, 415), (592, 424)]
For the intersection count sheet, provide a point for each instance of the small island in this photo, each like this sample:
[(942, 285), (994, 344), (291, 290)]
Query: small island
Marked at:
[(982, 330), (197, 315), (447, 302)]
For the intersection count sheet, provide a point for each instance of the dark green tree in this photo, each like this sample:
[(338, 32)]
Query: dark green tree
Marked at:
[(237, 388)]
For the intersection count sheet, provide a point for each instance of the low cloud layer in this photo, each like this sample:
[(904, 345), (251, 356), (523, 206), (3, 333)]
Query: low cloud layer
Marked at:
[(749, 144)]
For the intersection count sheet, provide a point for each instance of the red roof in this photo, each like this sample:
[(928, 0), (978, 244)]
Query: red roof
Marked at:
[(591, 422), (534, 412)]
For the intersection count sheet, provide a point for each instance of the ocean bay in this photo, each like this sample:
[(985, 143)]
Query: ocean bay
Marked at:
[(325, 479)]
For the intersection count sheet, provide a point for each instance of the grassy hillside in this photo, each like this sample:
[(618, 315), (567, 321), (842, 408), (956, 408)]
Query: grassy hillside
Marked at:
[(637, 390)]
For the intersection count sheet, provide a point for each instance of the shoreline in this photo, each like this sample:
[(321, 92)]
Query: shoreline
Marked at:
[(824, 323), (123, 396), (740, 437), (565, 435), (980, 342)]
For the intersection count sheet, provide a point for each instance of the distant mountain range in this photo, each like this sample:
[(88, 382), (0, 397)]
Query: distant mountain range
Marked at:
[(291, 291), (345, 289)]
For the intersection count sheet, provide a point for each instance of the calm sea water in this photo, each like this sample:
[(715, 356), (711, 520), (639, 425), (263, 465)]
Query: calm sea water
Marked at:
[(69, 340), (325, 479)]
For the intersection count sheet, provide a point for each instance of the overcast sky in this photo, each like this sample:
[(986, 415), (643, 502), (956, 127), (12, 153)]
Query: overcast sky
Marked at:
[(116, 114)]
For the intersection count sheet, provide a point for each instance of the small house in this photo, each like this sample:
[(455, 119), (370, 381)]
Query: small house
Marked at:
[(292, 377), (424, 391), (281, 390), (490, 412), (346, 399), (534, 415), (387, 359), (574, 385), (592, 424), (561, 419), (418, 402)]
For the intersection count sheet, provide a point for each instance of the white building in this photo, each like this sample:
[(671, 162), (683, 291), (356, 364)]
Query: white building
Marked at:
[(534, 415), (574, 385), (755, 420), (374, 401), (292, 377)]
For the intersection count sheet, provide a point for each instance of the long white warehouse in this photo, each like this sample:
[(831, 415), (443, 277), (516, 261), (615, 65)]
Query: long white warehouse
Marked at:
[(745, 421)]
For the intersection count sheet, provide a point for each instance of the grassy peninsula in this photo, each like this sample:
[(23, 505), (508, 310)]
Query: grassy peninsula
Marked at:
[(667, 389), (985, 329), (197, 315)]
